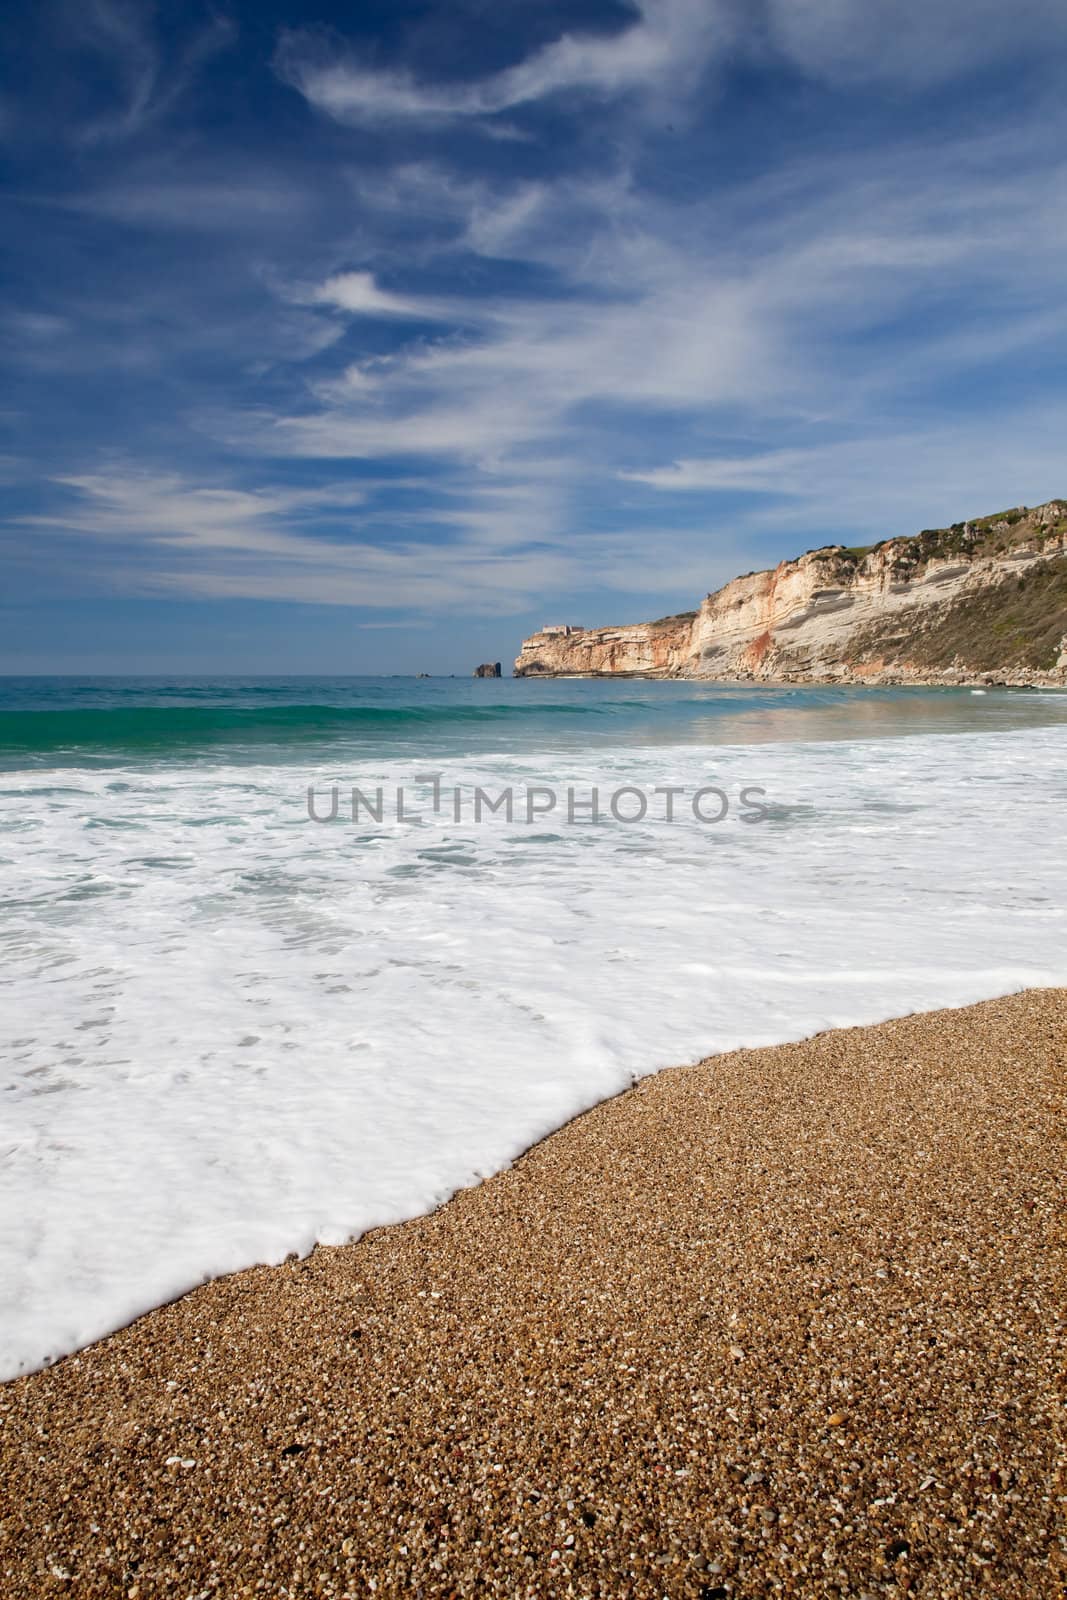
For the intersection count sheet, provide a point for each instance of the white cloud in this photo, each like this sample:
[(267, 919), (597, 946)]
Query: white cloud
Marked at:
[(665, 46), (35, 325), (495, 549), (217, 205), (358, 294), (477, 427), (914, 43), (889, 482), (766, 473), (149, 82), (166, 509), (264, 544)]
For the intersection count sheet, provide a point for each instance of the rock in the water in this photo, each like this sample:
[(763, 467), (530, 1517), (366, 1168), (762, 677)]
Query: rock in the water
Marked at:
[(488, 669)]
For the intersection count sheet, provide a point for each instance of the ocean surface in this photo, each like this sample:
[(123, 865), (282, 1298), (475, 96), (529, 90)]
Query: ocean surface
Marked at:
[(235, 1024)]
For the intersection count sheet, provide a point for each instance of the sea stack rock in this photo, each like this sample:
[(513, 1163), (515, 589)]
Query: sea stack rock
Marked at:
[(488, 669)]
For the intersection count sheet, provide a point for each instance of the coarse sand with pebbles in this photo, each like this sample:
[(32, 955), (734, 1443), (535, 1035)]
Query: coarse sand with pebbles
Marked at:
[(786, 1322)]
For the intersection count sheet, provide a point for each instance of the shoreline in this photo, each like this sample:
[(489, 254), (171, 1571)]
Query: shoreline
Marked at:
[(778, 1322), (1038, 681)]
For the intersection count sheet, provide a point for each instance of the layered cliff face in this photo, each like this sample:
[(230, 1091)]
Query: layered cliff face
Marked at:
[(980, 599), (644, 649)]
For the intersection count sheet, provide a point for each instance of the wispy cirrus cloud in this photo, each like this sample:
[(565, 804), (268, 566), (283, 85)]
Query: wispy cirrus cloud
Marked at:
[(908, 42), (492, 548), (239, 202), (268, 543), (664, 44), (878, 483), (774, 310), (148, 81)]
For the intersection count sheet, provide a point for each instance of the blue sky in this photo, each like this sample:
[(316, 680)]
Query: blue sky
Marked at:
[(371, 337)]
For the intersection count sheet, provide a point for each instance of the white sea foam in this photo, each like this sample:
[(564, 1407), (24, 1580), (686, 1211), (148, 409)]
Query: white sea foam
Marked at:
[(231, 1032)]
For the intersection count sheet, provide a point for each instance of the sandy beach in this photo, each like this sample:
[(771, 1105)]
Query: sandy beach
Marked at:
[(782, 1323)]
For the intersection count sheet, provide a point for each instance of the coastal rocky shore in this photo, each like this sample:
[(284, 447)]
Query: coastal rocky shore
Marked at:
[(981, 602), (784, 1323)]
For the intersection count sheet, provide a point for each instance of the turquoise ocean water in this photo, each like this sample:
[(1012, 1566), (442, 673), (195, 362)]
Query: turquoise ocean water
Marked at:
[(95, 721)]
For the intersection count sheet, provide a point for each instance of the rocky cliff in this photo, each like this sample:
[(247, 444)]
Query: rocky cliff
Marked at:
[(982, 600)]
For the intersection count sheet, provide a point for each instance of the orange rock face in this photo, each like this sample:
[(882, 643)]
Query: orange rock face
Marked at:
[(645, 649)]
